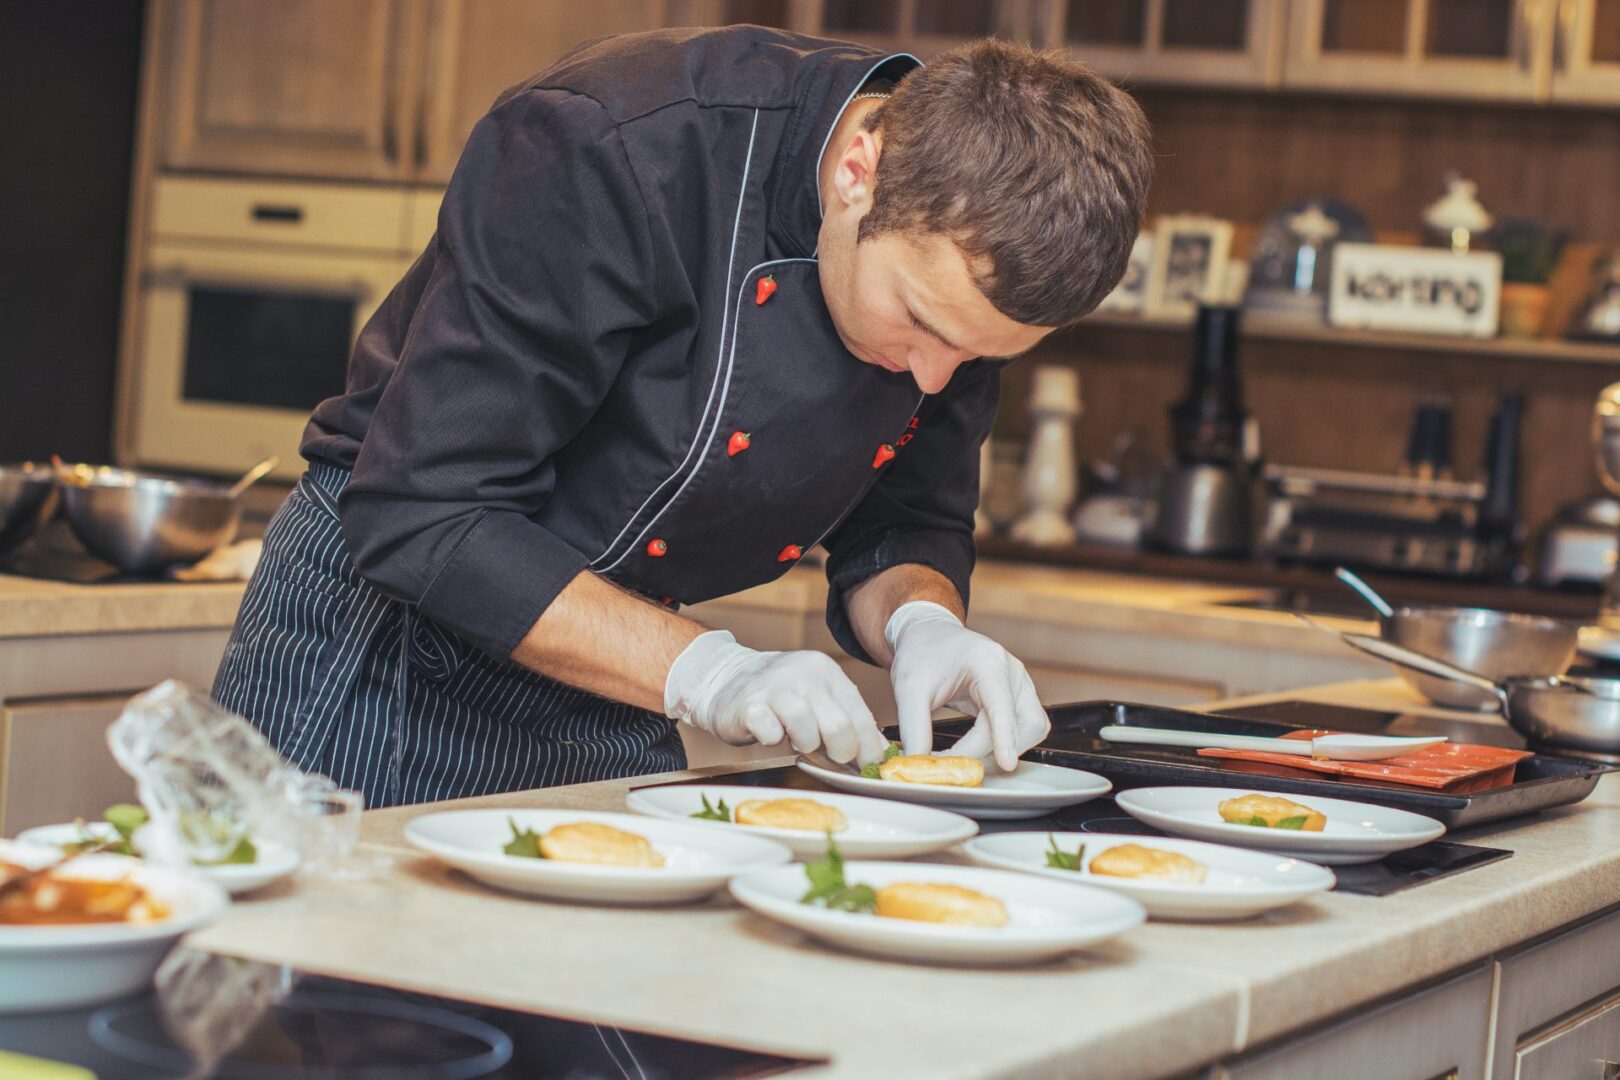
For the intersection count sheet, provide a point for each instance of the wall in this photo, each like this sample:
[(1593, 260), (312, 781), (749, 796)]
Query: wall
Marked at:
[(68, 73)]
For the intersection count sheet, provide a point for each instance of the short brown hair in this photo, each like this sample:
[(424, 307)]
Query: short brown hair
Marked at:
[(1035, 166)]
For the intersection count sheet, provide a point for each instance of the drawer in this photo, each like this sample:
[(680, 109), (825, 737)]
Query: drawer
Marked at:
[(311, 215), (54, 762), (1585, 1048), (1551, 978)]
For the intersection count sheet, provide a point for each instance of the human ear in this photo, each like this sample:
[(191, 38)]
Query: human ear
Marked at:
[(855, 176)]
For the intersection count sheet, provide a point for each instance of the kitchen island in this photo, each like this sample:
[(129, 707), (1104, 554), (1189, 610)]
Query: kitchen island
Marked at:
[(1166, 999)]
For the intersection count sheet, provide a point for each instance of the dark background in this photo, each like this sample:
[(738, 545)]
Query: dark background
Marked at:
[(68, 76)]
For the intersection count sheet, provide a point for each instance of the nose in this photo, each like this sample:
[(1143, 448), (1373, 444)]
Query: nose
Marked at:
[(931, 369)]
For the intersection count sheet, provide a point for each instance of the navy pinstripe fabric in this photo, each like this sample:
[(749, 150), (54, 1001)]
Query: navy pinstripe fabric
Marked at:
[(347, 682)]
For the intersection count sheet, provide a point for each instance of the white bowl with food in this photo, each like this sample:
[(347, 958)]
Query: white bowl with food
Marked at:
[(863, 828), (1337, 832), (592, 857), (1005, 918), (272, 861), (1173, 879), (967, 786), (67, 960)]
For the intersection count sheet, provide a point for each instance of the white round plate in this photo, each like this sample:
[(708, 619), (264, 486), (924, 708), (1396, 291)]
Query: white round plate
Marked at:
[(878, 828), (1239, 884), (1600, 642), (275, 860), (1046, 918), (55, 967), (1030, 790), (1356, 832), (697, 861)]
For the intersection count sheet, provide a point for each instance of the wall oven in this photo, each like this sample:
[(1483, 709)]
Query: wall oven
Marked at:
[(251, 296)]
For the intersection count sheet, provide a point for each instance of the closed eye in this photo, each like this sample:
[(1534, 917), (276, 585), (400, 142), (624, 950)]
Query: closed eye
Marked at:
[(925, 328)]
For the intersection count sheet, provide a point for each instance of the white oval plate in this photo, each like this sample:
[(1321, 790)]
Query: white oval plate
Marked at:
[(1028, 791), (275, 860), (1046, 918), (1239, 884), (54, 967), (1356, 832), (878, 828), (698, 861)]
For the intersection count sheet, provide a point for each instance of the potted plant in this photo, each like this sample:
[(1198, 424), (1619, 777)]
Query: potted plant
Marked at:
[(1530, 253)]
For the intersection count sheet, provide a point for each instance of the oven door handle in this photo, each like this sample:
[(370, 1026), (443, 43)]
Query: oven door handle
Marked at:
[(178, 277)]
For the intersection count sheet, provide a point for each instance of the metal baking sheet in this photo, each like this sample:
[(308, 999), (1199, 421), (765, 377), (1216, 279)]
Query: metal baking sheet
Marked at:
[(1540, 781)]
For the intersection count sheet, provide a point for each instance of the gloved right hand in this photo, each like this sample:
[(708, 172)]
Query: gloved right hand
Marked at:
[(742, 695)]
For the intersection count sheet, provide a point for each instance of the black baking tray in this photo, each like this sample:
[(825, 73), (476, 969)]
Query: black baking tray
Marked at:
[(1539, 782)]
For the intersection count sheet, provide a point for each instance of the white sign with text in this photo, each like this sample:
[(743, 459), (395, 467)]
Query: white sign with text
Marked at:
[(1415, 289)]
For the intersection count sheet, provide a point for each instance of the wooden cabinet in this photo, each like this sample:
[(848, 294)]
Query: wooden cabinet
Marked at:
[(295, 87), (1556, 1011), (925, 27), (1205, 42), (1586, 52), (1586, 1047)]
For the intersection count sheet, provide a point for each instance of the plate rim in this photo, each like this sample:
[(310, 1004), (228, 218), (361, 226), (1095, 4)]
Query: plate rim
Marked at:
[(1313, 841), (963, 827)]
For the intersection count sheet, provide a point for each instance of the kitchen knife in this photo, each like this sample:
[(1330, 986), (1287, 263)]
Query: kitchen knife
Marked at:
[(1336, 747)]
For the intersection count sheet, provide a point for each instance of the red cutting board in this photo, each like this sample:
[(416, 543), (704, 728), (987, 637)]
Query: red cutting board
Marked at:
[(1458, 768)]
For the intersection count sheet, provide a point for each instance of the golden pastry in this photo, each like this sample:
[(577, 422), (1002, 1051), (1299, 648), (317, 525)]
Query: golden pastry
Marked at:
[(1136, 861), (1271, 812), (590, 842), (937, 903), (804, 814), (944, 769)]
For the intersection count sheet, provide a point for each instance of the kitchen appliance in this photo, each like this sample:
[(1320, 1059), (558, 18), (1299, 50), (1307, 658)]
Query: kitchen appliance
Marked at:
[(1599, 316), (1410, 522), (1206, 507), (1122, 494), (1578, 546), (251, 296), (27, 500), (141, 522), (1290, 266)]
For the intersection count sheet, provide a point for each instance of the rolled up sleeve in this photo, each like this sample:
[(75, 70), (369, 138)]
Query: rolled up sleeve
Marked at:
[(543, 271), (921, 512)]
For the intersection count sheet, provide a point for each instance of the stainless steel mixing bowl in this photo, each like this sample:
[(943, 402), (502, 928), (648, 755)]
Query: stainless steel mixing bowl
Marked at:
[(27, 501), (1496, 644), (142, 522)]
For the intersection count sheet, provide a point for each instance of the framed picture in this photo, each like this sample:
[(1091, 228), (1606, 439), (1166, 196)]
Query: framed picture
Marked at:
[(1129, 294), (1189, 263)]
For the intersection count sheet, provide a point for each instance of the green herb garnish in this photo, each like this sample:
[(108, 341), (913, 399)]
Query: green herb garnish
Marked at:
[(871, 771), (524, 842), (713, 813), (829, 889), (243, 853), (1062, 860)]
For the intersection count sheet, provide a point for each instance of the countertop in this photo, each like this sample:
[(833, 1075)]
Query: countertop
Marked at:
[(1163, 998)]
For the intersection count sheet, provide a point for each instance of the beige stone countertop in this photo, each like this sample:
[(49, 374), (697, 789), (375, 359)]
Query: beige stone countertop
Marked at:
[(1162, 998), (31, 607)]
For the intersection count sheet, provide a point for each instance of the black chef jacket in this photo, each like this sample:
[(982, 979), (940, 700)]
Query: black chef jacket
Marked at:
[(584, 371)]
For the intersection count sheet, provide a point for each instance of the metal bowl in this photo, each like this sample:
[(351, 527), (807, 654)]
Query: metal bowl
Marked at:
[(27, 501), (142, 522), (1497, 644), (1563, 719)]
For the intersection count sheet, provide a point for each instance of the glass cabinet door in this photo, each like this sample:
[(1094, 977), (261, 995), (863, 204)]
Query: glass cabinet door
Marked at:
[(1586, 52), (1489, 49), (924, 27), (1209, 42)]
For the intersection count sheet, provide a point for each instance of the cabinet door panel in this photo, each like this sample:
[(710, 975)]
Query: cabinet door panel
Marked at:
[(1192, 42), (481, 47), (1586, 52), (295, 87), (1587, 1048), (1546, 980), (54, 762)]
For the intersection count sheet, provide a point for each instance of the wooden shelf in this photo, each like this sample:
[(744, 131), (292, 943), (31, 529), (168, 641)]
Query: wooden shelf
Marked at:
[(1263, 327)]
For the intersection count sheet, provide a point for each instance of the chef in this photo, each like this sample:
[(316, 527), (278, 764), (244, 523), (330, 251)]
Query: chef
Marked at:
[(698, 302)]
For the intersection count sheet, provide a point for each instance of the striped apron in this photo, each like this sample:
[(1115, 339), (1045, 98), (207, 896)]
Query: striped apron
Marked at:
[(347, 682)]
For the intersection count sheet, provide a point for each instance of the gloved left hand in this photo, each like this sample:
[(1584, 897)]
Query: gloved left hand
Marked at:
[(939, 662)]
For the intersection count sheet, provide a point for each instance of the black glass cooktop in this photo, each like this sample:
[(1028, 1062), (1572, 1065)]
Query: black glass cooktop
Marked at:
[(235, 1020)]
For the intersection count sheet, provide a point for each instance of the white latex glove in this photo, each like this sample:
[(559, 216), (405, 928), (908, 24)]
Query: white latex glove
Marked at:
[(939, 662), (742, 696)]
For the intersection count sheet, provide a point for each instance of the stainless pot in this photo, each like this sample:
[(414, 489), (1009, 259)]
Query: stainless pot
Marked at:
[(1494, 644), (27, 501), (143, 523), (1571, 715)]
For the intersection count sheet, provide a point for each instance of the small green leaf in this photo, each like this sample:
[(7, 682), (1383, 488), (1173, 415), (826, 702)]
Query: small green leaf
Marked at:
[(243, 854), (524, 842), (1296, 822), (871, 772), (713, 813), (828, 887), (126, 818), (1062, 860)]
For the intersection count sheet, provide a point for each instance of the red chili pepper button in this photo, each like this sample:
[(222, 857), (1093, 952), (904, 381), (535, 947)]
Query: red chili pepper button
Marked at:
[(881, 458), (791, 553), (764, 289), (657, 549), (738, 443)]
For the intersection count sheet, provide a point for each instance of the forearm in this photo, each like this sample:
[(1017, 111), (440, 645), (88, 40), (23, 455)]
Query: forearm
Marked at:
[(872, 602), (600, 638)]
